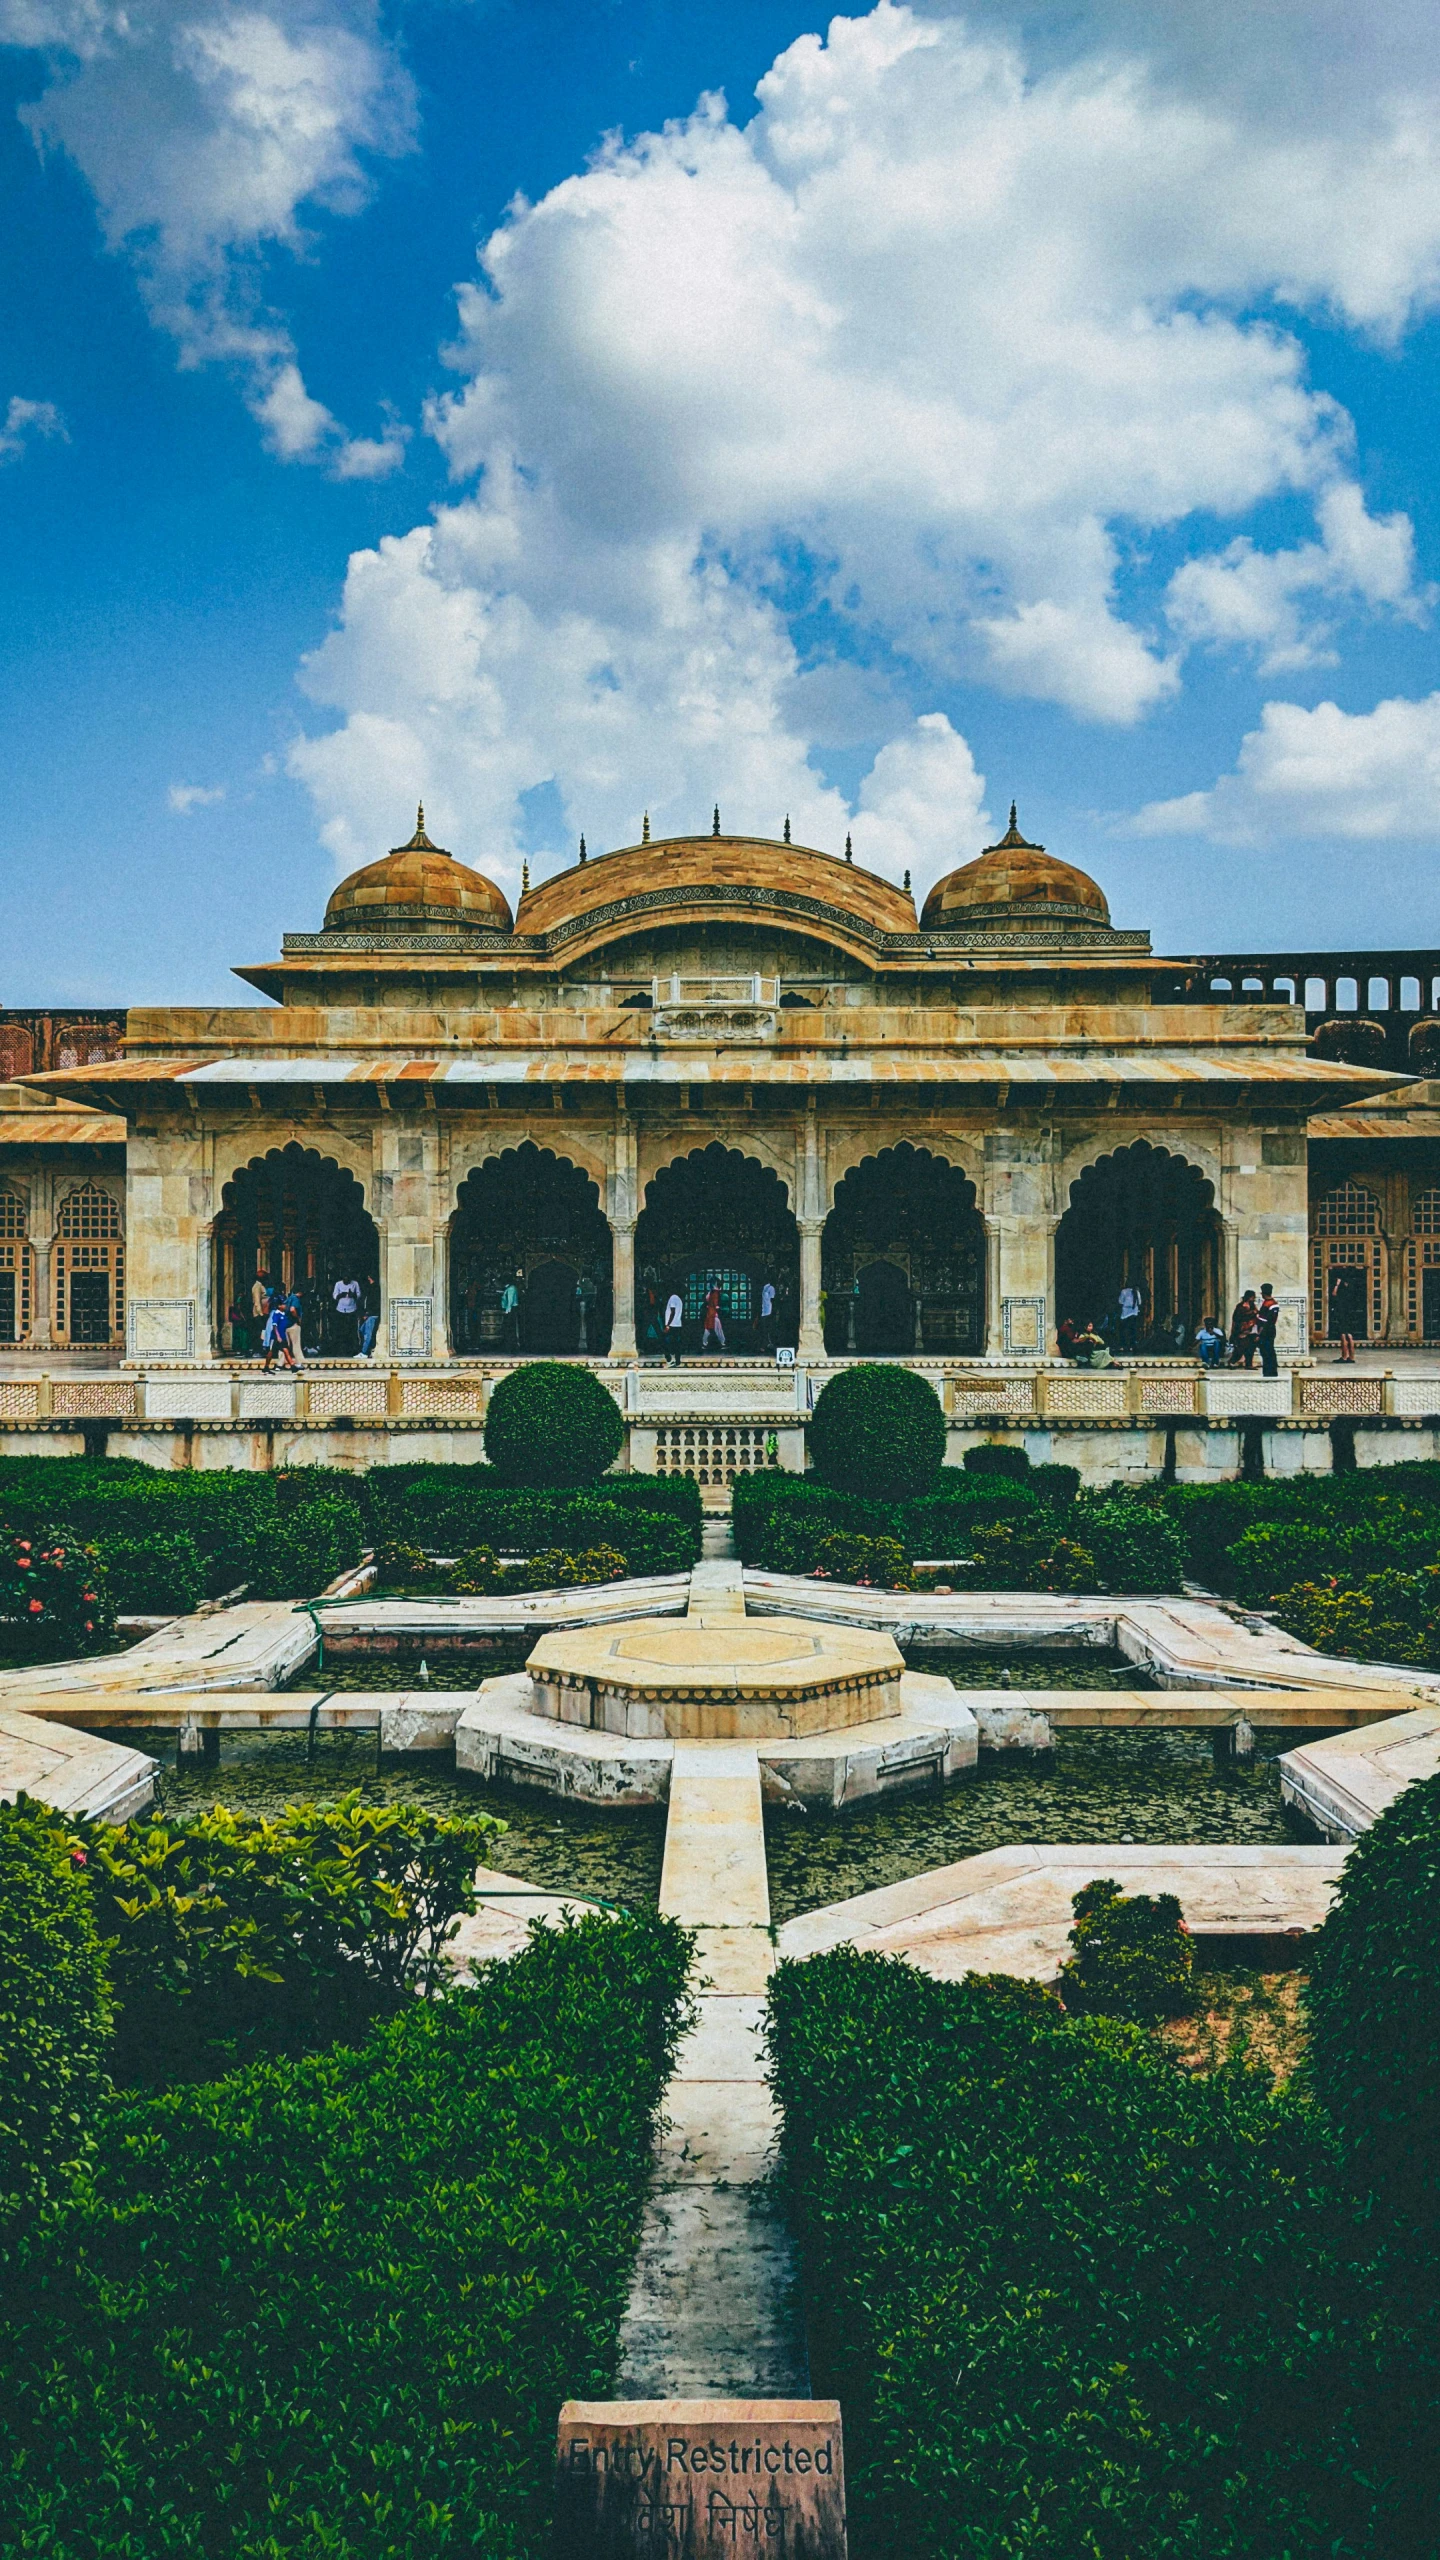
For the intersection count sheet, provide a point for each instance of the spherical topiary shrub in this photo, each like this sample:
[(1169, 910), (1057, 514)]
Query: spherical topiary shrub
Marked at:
[(1373, 1998), (996, 1458), (878, 1431), (54, 2012), (553, 1424)]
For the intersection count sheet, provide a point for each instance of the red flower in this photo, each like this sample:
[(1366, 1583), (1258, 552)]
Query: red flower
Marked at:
[(77, 1857), (37, 1608)]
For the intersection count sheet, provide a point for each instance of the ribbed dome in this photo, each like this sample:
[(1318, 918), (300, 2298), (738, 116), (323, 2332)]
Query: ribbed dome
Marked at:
[(417, 883), (715, 868), (1015, 881)]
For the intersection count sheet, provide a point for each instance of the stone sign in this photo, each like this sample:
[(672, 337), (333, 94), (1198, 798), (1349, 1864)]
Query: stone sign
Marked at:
[(699, 2480)]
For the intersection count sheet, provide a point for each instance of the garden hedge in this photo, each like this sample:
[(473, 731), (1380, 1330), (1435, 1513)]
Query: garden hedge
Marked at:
[(1031, 1532), (879, 1431), (551, 1422), (54, 2015), (1078, 2303), (327, 2309)]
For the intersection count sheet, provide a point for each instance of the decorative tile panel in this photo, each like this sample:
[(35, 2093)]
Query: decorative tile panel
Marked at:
[(1242, 1398), (1022, 1322), (83, 1398), (448, 1399), (267, 1399), (204, 1398), (976, 1399), (1343, 1395), (1415, 1395), (410, 1327), (19, 1399), (1090, 1396), (366, 1398), (161, 1328), (1169, 1395)]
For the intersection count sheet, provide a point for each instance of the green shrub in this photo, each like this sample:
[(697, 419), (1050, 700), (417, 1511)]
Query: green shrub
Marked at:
[(1136, 1545), (476, 1574), (305, 1549), (551, 1423), (239, 1934), (880, 1430), (1055, 1484), (1024, 1555), (451, 1508), (996, 1458), (1077, 2303), (778, 1520), (847, 1557), (1389, 1617), (150, 1577), (54, 1596), (54, 2014), (327, 2309), (1373, 1999), (400, 1566), (1133, 1957)]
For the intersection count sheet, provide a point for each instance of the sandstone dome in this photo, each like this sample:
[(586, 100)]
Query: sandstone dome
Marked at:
[(1015, 882), (714, 875), (417, 883)]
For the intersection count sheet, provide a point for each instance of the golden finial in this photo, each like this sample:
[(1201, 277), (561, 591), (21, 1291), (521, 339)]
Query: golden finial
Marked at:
[(645, 828), (906, 882), (419, 817), (787, 826)]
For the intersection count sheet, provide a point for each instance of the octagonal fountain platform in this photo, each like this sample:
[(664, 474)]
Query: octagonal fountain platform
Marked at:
[(833, 1713)]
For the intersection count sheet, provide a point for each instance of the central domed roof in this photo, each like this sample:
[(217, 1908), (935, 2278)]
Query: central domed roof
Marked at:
[(417, 883), (707, 875), (1015, 882)]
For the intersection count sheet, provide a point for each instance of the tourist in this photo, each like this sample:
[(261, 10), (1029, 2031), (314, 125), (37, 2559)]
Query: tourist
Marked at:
[(712, 1330), (275, 1339), (1338, 1331), (259, 1303), (674, 1327), (1091, 1348), (1131, 1306), (295, 1328), (1067, 1340), (1268, 1317), (767, 1315), (1244, 1332), (650, 1324), (370, 1321), (346, 1295), (239, 1330), (510, 1313), (1210, 1342)]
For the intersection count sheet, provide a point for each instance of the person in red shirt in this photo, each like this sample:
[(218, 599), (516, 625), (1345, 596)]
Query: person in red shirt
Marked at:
[(712, 1331)]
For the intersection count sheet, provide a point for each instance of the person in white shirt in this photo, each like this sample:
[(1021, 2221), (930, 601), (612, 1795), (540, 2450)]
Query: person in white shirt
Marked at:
[(767, 1315), (346, 1294), (1131, 1304), (674, 1322)]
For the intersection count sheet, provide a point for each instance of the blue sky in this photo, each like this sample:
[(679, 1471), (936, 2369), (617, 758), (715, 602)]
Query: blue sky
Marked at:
[(507, 404)]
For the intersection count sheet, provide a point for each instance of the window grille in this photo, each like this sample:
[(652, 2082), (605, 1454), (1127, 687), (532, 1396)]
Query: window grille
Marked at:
[(89, 1266), (1425, 1216), (1348, 1210), (714, 1453), (88, 1212)]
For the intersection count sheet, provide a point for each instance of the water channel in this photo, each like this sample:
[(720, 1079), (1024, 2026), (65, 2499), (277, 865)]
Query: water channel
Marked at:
[(1147, 1788)]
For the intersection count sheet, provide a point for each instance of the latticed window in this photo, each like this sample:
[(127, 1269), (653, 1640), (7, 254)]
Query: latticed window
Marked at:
[(16, 1267), (89, 1266), (1348, 1210), (1425, 1216)]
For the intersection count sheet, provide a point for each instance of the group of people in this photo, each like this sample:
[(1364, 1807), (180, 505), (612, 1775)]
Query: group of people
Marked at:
[(1253, 1328), (664, 1329), (277, 1319)]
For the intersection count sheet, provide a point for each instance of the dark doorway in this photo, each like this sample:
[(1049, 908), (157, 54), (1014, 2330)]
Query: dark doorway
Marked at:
[(89, 1306), (299, 1219), (1345, 1301), (903, 1258), (1430, 1304), (529, 1222), (717, 1219), (1148, 1218), (7, 1307)]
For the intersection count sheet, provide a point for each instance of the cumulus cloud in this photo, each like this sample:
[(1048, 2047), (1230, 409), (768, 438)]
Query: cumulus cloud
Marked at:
[(185, 796), (921, 358), (1370, 775), (27, 418), (206, 133)]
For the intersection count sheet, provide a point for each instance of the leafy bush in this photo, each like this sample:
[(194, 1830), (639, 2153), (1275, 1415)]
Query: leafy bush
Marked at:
[(1056, 1484), (847, 1557), (150, 1577), (54, 2014), (1074, 2301), (880, 1429), (1358, 1522), (327, 2309), (54, 1597), (450, 1508), (1276, 1554), (550, 1423), (400, 1566), (779, 1520), (1136, 1545), (1133, 1957), (1389, 1617), (997, 1458), (1373, 1998), (476, 1574), (239, 1934), (305, 1550)]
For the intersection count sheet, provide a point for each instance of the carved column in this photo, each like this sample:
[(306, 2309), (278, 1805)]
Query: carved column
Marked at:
[(812, 1338), (622, 1269)]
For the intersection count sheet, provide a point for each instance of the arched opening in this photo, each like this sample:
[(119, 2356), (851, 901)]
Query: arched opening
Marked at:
[(903, 1258), (529, 1258), (1347, 1265), (1145, 1219), (299, 1220), (89, 1267), (718, 1220)]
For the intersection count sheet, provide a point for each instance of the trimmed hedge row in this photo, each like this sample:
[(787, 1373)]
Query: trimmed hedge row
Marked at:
[(55, 2015), (1034, 1532), (1256, 1539), (327, 2309), (1075, 2301)]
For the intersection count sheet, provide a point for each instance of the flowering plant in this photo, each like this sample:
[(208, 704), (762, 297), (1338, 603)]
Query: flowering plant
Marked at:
[(53, 1594)]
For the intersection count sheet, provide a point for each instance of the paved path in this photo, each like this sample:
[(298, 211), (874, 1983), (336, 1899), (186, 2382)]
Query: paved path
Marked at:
[(1344, 1783)]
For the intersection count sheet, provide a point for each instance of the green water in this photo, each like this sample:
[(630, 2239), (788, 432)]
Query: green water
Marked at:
[(614, 1855), (401, 1670), (1031, 1670)]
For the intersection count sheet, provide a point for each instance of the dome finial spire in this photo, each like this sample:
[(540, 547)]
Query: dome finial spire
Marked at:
[(583, 856), (524, 879), (715, 821), (1012, 813), (849, 848), (645, 828), (787, 826)]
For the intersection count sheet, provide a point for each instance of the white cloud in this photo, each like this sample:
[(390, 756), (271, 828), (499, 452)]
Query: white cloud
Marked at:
[(185, 796), (935, 343), (205, 133), (1369, 776), (26, 418)]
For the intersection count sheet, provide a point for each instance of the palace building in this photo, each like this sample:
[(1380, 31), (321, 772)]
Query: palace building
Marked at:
[(715, 1062)]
